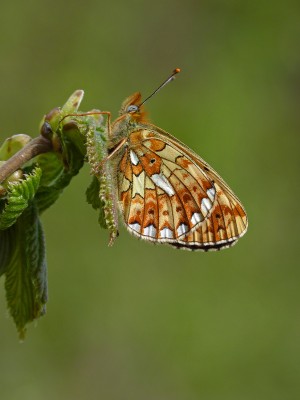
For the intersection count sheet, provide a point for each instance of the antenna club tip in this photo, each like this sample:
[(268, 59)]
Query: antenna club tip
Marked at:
[(176, 71)]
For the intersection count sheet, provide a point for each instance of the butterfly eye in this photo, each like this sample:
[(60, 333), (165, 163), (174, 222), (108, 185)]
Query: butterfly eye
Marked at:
[(132, 108)]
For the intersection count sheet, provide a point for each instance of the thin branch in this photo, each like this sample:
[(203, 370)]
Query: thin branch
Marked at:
[(35, 147)]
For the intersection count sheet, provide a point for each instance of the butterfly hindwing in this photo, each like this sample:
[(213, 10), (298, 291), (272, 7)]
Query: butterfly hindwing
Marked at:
[(168, 194), (228, 220)]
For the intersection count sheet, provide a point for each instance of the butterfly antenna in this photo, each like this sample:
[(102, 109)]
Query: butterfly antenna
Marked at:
[(168, 80)]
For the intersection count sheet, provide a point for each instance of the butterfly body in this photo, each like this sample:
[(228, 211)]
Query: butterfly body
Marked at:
[(166, 192)]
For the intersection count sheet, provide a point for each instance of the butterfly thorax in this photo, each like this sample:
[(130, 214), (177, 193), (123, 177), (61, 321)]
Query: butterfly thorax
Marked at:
[(122, 127), (131, 116)]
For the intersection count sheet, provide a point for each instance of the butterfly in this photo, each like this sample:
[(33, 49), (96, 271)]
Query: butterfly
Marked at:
[(167, 193)]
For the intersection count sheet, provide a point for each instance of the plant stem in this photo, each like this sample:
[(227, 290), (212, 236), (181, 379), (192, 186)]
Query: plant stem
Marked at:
[(35, 147)]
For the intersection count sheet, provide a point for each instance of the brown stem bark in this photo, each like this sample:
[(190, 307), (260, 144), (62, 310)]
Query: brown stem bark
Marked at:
[(35, 147)]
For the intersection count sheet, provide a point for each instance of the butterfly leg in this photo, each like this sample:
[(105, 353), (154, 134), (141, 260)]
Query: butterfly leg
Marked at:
[(101, 165), (108, 113)]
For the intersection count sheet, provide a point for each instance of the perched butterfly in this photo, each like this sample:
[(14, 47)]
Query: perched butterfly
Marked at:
[(165, 192)]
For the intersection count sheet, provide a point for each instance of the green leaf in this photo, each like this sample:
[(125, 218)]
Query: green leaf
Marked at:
[(68, 129), (73, 102), (59, 168), (51, 185), (92, 193), (93, 198), (26, 274), (55, 117), (12, 145), (72, 132), (68, 132), (7, 246), (52, 167), (19, 194)]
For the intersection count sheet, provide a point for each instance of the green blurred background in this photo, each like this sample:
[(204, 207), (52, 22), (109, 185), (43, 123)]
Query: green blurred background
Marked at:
[(138, 321)]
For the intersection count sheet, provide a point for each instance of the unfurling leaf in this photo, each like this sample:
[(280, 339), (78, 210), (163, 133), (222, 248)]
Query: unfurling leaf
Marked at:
[(100, 167), (19, 194)]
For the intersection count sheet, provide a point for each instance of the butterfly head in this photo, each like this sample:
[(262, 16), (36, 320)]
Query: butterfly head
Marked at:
[(132, 112), (132, 108)]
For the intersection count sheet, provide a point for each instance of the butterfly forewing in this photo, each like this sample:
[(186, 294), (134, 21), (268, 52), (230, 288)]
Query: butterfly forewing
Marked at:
[(168, 194)]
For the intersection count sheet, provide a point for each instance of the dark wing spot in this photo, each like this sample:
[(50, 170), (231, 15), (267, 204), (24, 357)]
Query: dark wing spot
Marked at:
[(186, 198)]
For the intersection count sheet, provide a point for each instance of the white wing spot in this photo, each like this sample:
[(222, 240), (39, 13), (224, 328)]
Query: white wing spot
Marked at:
[(136, 227), (206, 205), (150, 231), (196, 217), (211, 193), (182, 229), (161, 181), (138, 184), (134, 158), (166, 233)]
